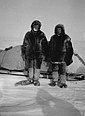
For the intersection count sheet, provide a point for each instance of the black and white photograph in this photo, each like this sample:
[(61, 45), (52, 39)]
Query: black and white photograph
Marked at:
[(42, 57)]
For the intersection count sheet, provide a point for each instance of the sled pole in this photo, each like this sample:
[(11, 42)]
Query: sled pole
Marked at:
[(12, 74), (77, 55)]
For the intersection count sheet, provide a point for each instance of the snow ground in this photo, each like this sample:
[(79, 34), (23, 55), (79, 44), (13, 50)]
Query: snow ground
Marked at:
[(40, 101)]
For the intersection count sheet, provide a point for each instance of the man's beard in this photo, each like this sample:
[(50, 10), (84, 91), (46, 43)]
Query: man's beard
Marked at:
[(35, 30)]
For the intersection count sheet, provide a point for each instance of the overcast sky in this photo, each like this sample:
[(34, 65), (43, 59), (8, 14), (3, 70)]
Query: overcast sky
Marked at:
[(16, 17)]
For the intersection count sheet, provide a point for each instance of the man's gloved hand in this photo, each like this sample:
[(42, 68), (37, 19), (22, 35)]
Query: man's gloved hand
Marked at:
[(43, 58)]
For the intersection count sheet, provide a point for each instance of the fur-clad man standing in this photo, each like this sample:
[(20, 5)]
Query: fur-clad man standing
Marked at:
[(34, 49), (61, 52)]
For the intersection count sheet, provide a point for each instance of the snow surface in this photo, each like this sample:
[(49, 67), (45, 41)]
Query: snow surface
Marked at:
[(41, 101)]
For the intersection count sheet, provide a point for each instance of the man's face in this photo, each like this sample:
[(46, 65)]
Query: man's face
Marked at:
[(59, 31), (36, 27)]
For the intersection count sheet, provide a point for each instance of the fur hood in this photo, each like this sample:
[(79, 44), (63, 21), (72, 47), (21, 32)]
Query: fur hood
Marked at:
[(62, 28), (36, 22)]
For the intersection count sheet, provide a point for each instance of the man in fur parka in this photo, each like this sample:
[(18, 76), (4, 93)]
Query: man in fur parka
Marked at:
[(60, 54), (34, 50)]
